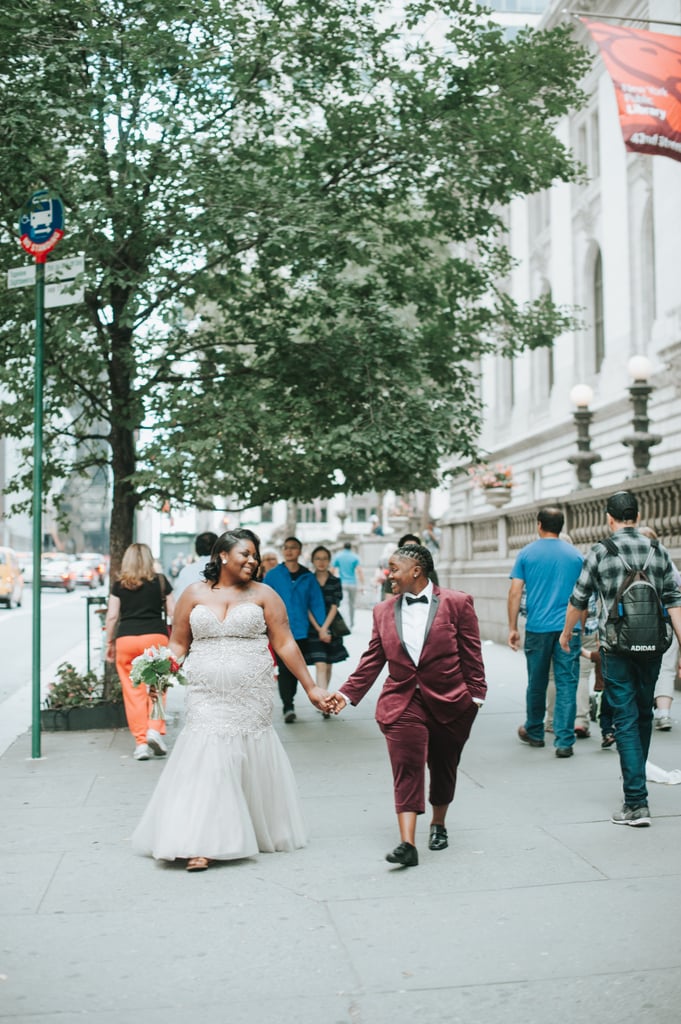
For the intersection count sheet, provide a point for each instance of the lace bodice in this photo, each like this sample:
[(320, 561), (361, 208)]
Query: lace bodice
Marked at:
[(229, 671)]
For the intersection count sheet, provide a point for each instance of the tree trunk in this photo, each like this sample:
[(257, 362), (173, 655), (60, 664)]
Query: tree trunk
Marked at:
[(122, 525), (291, 518), (124, 412), (425, 513)]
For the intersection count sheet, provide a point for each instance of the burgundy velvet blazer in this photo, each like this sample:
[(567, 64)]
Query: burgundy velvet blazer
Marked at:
[(450, 671)]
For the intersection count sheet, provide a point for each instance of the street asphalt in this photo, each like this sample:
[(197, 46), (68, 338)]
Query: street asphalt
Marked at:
[(541, 910)]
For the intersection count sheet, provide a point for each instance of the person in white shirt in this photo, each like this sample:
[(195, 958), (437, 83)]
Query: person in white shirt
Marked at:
[(193, 572)]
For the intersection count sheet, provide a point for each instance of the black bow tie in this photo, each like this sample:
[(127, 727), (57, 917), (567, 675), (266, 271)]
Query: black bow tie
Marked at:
[(417, 600)]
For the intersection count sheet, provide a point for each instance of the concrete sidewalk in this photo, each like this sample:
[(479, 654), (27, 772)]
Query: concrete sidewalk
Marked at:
[(540, 910)]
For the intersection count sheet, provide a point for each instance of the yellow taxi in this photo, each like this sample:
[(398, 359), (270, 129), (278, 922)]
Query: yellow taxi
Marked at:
[(11, 578)]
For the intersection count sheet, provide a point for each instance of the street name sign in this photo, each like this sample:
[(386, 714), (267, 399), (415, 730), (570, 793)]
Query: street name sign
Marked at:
[(59, 278)]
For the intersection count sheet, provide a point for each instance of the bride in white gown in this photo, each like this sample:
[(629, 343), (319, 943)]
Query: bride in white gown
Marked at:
[(227, 789)]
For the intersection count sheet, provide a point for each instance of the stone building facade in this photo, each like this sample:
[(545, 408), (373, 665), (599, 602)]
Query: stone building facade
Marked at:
[(607, 247)]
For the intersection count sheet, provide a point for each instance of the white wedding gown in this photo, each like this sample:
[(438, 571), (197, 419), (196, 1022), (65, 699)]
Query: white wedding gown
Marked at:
[(227, 789)]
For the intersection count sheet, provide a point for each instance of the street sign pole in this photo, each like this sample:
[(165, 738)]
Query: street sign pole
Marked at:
[(41, 227), (37, 499)]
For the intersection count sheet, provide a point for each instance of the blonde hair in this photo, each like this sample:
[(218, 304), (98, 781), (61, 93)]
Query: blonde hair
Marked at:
[(136, 567)]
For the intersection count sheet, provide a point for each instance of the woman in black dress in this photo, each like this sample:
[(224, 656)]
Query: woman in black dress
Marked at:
[(322, 650)]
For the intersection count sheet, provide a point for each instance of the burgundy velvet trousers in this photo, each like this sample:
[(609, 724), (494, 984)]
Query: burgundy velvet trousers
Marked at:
[(415, 740)]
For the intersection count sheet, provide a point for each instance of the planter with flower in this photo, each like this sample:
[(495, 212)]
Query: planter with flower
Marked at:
[(494, 480), (76, 700)]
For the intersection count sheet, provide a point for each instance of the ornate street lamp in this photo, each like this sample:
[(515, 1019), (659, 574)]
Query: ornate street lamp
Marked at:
[(641, 441), (581, 396)]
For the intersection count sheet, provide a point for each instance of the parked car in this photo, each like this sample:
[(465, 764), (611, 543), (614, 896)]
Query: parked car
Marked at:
[(11, 578), (86, 571), (101, 562), (26, 565), (58, 572)]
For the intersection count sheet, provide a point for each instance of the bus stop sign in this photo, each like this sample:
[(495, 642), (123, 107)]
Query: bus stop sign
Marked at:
[(41, 223)]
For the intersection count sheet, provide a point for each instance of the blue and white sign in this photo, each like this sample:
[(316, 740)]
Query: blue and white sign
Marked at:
[(41, 223)]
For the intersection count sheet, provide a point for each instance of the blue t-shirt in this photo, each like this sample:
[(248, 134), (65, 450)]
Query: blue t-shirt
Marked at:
[(346, 562), (549, 568)]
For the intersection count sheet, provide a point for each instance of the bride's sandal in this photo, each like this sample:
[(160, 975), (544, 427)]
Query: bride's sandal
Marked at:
[(197, 863)]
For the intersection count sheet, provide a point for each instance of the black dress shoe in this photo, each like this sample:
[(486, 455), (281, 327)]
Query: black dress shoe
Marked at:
[(404, 854), (564, 751), (438, 838)]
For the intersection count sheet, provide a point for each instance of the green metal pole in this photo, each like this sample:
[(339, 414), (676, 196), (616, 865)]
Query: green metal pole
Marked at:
[(37, 496)]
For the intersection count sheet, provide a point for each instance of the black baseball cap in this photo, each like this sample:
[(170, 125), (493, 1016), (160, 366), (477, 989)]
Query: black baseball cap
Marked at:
[(622, 506)]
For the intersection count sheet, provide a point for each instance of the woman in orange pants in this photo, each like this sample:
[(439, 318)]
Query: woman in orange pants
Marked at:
[(139, 603)]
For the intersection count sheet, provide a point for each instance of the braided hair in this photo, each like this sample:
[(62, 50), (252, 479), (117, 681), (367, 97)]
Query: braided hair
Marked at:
[(420, 554)]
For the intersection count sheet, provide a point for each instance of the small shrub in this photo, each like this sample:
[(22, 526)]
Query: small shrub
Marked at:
[(75, 689)]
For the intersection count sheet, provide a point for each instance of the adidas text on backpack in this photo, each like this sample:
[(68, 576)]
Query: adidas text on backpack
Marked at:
[(638, 624)]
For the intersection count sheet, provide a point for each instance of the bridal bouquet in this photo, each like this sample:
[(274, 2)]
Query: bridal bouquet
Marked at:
[(156, 669)]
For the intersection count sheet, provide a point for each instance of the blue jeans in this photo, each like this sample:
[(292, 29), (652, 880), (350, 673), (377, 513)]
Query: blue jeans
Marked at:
[(541, 649), (630, 689)]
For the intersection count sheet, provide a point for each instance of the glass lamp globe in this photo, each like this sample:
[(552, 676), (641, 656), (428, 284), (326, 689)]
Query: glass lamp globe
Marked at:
[(581, 396), (639, 368)]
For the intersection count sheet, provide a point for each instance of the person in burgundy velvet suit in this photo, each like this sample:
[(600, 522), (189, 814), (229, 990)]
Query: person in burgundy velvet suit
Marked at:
[(430, 639)]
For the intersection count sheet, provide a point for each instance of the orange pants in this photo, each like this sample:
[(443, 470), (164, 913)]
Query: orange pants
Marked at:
[(136, 698)]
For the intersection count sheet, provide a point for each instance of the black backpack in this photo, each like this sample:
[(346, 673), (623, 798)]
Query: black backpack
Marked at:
[(638, 624)]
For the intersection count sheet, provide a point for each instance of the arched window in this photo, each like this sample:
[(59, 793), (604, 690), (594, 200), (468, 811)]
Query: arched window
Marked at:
[(648, 301), (598, 318), (505, 377), (544, 370)]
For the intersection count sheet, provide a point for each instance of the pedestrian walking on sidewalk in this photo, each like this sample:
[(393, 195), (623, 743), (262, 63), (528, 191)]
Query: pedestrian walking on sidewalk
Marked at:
[(351, 574), (140, 604), (547, 569), (665, 687), (430, 639), (228, 790), (323, 649), (193, 571), (629, 680), (301, 594)]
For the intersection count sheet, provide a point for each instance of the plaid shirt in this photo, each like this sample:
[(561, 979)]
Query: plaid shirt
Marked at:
[(603, 573)]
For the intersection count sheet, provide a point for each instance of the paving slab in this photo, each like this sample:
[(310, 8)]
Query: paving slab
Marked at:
[(539, 910)]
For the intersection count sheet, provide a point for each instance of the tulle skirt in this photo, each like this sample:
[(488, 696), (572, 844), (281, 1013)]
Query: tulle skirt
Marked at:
[(223, 797)]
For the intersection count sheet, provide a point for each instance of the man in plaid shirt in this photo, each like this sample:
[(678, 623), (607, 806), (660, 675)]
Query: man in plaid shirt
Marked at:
[(629, 681)]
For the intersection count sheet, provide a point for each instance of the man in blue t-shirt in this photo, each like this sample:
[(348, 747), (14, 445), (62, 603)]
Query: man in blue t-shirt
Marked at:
[(350, 574), (547, 569)]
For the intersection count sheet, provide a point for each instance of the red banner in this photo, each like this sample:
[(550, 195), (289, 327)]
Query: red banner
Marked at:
[(645, 68)]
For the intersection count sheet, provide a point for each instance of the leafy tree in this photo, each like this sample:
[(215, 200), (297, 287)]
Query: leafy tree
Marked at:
[(291, 217)]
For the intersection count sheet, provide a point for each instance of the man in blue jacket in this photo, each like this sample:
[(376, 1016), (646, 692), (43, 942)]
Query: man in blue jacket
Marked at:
[(300, 592)]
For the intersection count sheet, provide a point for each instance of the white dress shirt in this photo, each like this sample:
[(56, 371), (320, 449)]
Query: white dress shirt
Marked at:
[(414, 619)]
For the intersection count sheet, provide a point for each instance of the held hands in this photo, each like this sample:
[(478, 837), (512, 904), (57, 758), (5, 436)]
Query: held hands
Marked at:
[(320, 699), (335, 703), (328, 703)]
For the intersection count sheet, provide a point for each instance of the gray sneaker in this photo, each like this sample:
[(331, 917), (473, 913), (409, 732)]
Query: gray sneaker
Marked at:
[(663, 724), (638, 816)]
